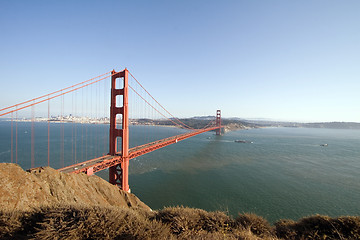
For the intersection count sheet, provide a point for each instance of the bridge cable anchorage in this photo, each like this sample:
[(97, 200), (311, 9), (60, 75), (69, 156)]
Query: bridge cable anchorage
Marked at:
[(159, 103)]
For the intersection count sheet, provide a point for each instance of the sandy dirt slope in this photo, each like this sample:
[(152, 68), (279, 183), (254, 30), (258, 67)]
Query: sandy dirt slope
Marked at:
[(21, 190)]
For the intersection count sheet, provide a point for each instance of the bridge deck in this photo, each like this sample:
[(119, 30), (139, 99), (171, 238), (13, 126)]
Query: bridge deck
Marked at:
[(101, 163)]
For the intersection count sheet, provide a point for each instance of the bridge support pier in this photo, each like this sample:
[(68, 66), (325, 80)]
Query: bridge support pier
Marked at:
[(118, 174)]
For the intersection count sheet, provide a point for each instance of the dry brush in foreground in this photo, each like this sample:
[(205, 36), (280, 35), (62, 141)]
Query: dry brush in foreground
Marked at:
[(97, 222)]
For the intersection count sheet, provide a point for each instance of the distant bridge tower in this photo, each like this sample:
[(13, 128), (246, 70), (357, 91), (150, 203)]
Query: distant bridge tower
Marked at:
[(218, 122), (118, 174)]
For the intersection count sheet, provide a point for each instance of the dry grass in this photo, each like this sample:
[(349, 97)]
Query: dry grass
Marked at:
[(319, 227), (187, 223), (96, 222), (45, 204), (10, 224), (78, 222), (20, 190), (255, 224)]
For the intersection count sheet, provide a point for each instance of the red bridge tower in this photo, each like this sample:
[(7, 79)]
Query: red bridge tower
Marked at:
[(118, 174), (218, 122)]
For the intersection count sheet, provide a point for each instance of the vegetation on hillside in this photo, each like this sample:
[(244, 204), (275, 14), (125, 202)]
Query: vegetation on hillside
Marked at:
[(196, 123), (47, 204), (97, 222)]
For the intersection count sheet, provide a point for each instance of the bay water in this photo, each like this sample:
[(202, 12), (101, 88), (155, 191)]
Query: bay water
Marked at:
[(277, 173)]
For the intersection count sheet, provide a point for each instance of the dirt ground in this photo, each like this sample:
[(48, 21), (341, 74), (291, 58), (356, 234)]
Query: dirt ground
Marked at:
[(21, 190)]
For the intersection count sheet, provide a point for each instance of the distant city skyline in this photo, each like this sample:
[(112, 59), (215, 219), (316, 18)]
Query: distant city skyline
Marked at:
[(276, 60)]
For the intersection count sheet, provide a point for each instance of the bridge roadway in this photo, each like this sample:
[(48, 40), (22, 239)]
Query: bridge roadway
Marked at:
[(97, 164)]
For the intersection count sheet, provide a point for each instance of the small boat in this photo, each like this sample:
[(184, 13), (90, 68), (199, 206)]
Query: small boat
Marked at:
[(324, 145), (243, 141)]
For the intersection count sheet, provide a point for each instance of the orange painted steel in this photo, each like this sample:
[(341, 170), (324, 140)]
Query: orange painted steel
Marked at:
[(119, 173), (218, 122), (108, 161), (118, 162), (35, 100), (141, 150), (181, 123)]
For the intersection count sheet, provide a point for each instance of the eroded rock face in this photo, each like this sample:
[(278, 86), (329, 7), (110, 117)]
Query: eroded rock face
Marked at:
[(21, 190)]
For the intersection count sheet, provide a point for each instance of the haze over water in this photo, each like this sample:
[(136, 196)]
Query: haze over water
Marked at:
[(284, 173)]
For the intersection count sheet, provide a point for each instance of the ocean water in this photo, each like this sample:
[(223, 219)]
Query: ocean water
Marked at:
[(284, 173)]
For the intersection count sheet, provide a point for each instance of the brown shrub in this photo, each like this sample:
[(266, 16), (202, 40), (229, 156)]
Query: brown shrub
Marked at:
[(256, 224), (320, 227), (189, 223), (283, 229), (98, 223), (79, 222), (10, 224)]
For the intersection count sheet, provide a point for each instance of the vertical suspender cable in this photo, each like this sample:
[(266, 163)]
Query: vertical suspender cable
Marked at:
[(72, 128), (97, 120), (86, 124), (76, 117), (16, 136), (48, 132), (32, 137), (62, 132), (12, 139), (104, 115), (82, 125)]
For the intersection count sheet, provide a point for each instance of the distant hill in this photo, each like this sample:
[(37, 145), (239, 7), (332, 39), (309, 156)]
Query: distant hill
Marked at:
[(197, 122), (231, 124), (333, 125), (336, 125)]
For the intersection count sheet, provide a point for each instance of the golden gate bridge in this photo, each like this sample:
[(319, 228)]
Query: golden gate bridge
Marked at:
[(119, 151)]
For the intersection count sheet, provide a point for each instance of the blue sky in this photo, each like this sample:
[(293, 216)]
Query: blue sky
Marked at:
[(281, 60)]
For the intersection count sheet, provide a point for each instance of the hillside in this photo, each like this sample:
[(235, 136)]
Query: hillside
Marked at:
[(197, 123), (22, 190), (331, 125), (46, 204)]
